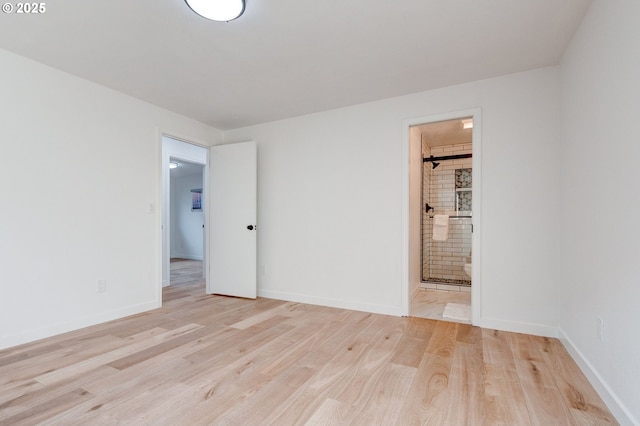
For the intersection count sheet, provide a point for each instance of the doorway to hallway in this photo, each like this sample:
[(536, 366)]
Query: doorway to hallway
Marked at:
[(183, 209)]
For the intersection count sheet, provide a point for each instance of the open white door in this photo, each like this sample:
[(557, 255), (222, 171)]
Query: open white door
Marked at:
[(232, 213)]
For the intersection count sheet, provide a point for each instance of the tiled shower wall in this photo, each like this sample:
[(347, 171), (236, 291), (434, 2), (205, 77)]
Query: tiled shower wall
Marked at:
[(443, 261)]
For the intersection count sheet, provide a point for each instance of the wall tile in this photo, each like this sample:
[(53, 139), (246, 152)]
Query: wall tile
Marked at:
[(444, 261)]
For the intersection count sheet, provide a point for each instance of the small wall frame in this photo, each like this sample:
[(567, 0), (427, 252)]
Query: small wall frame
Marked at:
[(196, 200)]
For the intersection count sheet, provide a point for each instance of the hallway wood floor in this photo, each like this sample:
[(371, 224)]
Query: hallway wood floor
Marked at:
[(186, 271), (203, 360)]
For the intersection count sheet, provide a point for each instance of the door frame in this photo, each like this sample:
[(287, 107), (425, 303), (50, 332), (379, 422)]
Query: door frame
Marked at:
[(476, 245), (164, 224)]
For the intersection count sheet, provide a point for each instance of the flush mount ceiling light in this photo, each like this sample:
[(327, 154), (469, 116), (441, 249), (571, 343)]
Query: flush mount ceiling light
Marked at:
[(173, 165), (467, 123), (217, 10)]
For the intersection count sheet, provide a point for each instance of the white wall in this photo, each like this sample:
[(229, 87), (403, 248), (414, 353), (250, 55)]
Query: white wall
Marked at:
[(187, 238), (600, 199), (81, 200), (330, 202)]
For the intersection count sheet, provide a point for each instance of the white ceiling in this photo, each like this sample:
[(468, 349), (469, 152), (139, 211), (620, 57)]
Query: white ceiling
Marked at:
[(443, 133), (285, 58), (186, 168)]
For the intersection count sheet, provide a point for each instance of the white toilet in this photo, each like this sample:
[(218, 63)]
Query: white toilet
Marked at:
[(467, 269)]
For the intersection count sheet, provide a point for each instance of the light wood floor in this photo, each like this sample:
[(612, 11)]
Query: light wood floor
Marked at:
[(432, 303), (203, 360), (186, 271)]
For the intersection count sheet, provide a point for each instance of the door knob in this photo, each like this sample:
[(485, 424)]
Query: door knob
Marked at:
[(250, 227)]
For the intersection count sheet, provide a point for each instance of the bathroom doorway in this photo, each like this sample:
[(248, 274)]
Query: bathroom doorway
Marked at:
[(441, 218)]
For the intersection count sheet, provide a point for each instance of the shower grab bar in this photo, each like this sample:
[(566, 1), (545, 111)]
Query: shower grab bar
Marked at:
[(456, 217)]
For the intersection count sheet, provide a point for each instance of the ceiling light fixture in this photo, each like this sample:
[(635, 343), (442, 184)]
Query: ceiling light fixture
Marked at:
[(467, 123), (173, 165), (217, 10)]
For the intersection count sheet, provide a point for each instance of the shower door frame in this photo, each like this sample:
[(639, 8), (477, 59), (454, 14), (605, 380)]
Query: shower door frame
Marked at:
[(476, 114)]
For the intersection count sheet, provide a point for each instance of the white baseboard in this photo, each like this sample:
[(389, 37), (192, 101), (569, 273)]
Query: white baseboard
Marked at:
[(617, 408), (333, 303), (64, 327), (519, 327)]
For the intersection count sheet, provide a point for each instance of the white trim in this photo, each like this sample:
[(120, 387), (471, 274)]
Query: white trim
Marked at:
[(611, 400), (333, 303), (476, 207), (476, 113), (159, 215), (55, 329), (184, 138)]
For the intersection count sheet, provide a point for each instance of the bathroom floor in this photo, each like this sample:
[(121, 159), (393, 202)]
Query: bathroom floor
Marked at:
[(452, 306)]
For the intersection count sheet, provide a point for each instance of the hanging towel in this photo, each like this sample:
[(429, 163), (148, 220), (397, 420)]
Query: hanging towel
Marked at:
[(440, 227)]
